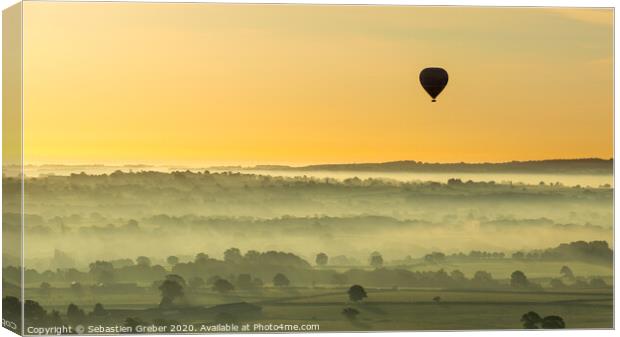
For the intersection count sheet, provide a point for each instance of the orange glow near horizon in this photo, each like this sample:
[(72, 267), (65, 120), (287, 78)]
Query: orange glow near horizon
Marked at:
[(293, 84)]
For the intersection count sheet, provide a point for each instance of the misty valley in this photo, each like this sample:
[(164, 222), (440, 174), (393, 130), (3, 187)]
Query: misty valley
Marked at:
[(203, 247), (199, 167)]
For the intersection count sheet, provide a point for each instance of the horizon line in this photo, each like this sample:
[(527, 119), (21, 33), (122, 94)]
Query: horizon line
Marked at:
[(302, 165)]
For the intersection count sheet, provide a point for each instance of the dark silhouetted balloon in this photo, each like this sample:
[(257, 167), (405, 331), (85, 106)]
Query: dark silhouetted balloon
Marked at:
[(433, 80)]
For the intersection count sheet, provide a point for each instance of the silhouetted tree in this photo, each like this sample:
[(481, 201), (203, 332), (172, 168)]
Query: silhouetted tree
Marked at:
[(482, 277), (177, 278), (597, 282), (99, 310), (578, 250), (11, 309), (45, 288), (531, 320), (132, 224), (457, 275), (518, 280), (244, 281), (34, 313), (257, 282), (172, 260), (170, 290), (321, 259), (251, 256), (357, 293), (435, 257), (75, 315), (102, 271), (54, 318), (280, 280), (567, 273), (553, 322), (143, 261), (376, 260), (222, 286), (201, 257), (233, 255)]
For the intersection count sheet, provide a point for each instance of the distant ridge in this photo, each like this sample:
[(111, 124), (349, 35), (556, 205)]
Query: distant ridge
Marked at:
[(568, 166)]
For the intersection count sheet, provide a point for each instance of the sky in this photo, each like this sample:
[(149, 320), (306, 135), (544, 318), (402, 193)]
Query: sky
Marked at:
[(218, 84)]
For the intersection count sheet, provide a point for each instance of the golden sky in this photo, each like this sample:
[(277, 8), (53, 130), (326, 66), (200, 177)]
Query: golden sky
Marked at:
[(223, 84)]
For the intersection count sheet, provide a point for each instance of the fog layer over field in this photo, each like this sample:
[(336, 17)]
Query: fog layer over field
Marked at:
[(108, 216)]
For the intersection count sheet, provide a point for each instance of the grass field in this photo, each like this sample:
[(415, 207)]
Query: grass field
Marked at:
[(414, 309), (403, 309), (431, 316)]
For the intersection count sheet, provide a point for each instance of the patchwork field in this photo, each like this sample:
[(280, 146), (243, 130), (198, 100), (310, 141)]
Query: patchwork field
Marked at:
[(384, 309)]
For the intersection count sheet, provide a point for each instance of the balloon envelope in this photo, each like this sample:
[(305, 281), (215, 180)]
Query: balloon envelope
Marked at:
[(433, 80)]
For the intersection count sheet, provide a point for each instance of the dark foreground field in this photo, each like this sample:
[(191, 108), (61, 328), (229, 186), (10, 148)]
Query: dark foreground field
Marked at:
[(384, 309)]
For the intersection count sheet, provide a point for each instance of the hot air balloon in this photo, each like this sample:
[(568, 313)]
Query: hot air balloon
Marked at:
[(433, 80)]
